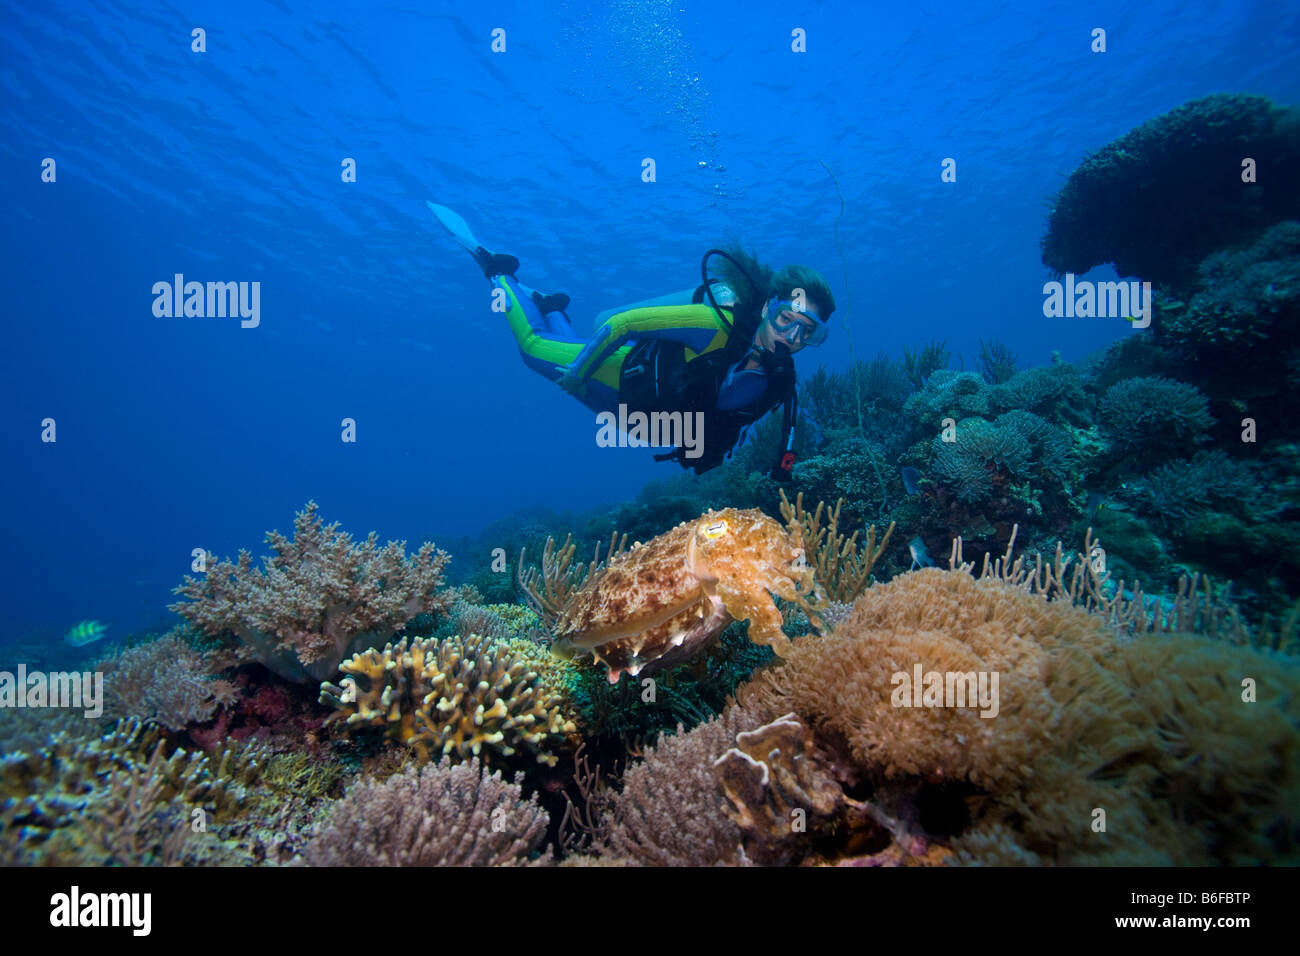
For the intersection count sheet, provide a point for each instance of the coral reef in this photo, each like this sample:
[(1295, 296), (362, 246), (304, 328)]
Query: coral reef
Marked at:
[(441, 814), (458, 697), (318, 598), (1160, 197)]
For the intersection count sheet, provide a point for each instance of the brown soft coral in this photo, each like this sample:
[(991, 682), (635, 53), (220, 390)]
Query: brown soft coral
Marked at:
[(950, 623), (319, 597), (1156, 730)]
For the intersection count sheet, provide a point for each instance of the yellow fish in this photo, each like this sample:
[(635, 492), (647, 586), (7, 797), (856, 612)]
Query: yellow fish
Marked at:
[(87, 632)]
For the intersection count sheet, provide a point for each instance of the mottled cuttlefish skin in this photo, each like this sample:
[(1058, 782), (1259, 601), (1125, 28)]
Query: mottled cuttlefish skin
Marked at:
[(664, 600)]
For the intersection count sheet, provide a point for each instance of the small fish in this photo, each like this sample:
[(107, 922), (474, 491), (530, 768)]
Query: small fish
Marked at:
[(87, 632), (920, 556), (911, 479), (1096, 502)]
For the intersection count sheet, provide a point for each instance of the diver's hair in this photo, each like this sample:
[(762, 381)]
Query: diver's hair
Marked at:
[(749, 300), (814, 286)]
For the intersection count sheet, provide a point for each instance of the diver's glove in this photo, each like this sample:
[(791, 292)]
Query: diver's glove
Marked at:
[(573, 383)]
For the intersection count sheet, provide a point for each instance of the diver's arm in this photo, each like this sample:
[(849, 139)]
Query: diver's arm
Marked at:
[(692, 325)]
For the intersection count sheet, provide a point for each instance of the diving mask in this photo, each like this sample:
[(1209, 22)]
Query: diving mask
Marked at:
[(796, 323)]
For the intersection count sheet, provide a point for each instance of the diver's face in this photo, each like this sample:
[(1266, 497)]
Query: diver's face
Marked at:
[(783, 329)]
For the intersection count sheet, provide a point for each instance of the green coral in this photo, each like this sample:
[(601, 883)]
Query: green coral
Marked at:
[(1155, 414), (948, 394)]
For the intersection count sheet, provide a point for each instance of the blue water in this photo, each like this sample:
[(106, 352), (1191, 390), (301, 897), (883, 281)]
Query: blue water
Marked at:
[(176, 433)]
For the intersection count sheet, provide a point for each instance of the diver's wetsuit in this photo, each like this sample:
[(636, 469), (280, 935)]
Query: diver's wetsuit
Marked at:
[(660, 358)]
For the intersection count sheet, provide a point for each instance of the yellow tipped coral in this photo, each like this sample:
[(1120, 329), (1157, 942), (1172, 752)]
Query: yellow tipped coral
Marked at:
[(456, 696)]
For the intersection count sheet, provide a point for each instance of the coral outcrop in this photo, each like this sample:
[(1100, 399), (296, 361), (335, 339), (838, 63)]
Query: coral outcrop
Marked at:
[(318, 598), (441, 814), (458, 697), (1162, 196)]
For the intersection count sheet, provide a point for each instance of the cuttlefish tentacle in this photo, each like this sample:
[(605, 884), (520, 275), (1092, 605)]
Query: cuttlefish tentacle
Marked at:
[(756, 606)]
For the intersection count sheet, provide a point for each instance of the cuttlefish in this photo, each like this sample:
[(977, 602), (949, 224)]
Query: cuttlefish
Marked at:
[(668, 598)]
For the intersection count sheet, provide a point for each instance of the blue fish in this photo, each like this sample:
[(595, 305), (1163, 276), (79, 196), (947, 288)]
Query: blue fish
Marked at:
[(920, 556), (911, 479)]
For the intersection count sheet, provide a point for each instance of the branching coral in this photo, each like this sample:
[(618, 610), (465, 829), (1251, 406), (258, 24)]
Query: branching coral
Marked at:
[(549, 587), (166, 679), (442, 814), (997, 362), (318, 598), (670, 811), (920, 365), (1160, 412), (77, 792), (839, 566), (1156, 200), (459, 697)]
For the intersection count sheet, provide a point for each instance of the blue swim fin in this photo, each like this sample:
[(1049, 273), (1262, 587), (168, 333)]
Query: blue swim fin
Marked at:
[(492, 264)]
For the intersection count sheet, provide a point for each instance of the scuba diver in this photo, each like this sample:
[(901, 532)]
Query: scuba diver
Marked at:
[(724, 348)]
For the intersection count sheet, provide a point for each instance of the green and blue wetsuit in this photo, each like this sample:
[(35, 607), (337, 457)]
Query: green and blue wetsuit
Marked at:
[(658, 358)]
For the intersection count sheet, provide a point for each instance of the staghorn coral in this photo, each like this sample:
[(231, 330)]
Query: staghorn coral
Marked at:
[(458, 697), (670, 810), (1153, 413), (165, 679), (839, 567), (1160, 197), (441, 814), (318, 598)]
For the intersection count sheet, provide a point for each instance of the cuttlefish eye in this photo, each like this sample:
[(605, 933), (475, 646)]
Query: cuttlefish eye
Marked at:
[(715, 530)]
